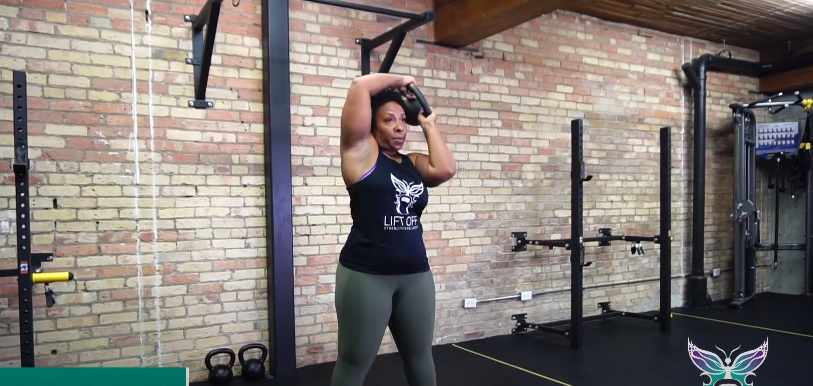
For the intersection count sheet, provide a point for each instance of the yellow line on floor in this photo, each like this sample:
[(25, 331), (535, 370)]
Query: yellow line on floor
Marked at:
[(744, 325), (513, 366)]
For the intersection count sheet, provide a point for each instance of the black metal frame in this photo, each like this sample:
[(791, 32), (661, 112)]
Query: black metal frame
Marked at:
[(665, 236), (29, 265), (695, 71), (805, 148), (576, 246), (747, 239), (203, 46), (809, 225), (520, 241), (745, 215), (396, 35), (278, 188)]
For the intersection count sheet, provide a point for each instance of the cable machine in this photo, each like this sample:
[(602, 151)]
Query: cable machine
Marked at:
[(696, 72), (787, 150), (29, 269)]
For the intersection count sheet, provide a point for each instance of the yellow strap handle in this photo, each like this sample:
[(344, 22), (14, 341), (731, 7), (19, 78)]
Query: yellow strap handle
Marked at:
[(51, 277)]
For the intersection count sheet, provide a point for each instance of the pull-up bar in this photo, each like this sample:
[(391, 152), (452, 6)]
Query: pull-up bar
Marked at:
[(204, 31), (396, 35), (203, 42), (768, 102), (367, 8)]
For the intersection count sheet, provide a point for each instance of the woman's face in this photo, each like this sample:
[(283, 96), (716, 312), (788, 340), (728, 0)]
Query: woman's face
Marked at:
[(391, 126)]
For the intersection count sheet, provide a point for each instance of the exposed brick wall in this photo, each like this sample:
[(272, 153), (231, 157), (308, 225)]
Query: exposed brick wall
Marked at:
[(157, 207), (181, 229)]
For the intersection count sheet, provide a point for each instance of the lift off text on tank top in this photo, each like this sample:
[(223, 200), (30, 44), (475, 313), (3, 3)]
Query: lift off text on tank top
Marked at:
[(406, 195)]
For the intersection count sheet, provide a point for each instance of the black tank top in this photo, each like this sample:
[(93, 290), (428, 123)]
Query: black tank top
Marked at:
[(386, 207)]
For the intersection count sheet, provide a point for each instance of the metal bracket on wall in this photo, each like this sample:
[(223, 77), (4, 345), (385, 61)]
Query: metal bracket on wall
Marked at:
[(203, 46)]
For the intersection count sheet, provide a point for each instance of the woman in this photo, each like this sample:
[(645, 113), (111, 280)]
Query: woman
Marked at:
[(383, 277)]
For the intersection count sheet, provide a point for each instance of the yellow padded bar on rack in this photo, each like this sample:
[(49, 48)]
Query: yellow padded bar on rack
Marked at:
[(51, 277)]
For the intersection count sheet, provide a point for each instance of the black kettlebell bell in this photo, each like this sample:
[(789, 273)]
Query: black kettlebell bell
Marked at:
[(220, 374), (253, 369), (414, 106)]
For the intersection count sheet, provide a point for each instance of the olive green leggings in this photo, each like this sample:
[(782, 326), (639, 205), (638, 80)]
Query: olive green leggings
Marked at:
[(365, 305)]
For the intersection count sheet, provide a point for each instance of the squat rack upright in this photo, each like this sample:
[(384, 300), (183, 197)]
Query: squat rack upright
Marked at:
[(29, 265)]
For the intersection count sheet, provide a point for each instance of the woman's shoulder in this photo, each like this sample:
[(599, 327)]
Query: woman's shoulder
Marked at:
[(358, 163)]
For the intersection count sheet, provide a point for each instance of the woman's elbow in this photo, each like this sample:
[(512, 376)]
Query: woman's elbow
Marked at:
[(360, 82), (452, 168), (355, 84), (446, 174), (450, 173)]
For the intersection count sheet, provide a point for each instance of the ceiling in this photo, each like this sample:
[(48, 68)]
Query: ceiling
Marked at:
[(755, 24)]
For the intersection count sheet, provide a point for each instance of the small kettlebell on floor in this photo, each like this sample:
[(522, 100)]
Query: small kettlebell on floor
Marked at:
[(220, 375), (253, 369)]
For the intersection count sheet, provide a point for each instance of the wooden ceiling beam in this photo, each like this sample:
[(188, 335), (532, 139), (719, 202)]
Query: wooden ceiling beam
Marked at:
[(459, 23), (787, 70), (787, 50), (787, 82)]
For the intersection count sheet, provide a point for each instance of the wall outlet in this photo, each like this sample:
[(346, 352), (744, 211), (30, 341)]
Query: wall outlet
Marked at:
[(715, 272), (470, 303), (525, 295)]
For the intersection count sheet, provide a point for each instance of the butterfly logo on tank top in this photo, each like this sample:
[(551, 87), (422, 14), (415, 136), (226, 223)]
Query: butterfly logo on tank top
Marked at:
[(406, 194)]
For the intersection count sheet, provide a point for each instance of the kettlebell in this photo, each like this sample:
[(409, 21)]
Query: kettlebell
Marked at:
[(220, 374), (253, 369), (414, 106)]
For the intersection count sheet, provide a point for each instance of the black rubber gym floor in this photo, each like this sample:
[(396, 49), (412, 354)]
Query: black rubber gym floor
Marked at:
[(619, 351), (455, 367), (790, 313), (630, 352)]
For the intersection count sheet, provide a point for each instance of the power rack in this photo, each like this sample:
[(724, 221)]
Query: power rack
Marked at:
[(29, 269), (575, 245)]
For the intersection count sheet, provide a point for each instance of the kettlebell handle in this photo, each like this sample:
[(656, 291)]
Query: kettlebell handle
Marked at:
[(208, 360), (420, 98), (241, 353)]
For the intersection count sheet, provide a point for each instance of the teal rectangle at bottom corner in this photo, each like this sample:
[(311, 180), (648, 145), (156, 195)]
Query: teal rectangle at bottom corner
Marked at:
[(94, 376)]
